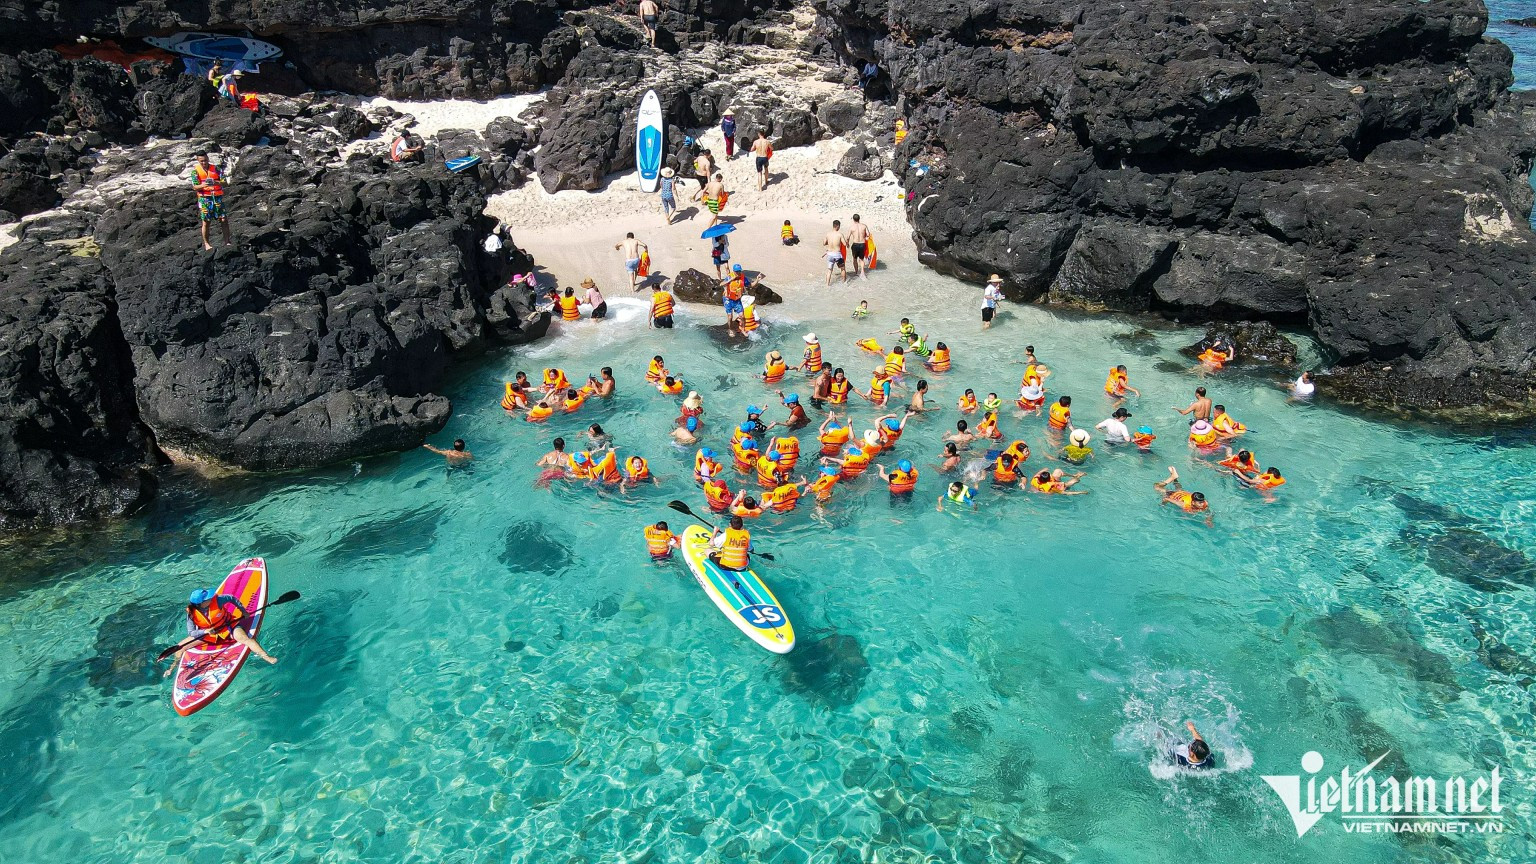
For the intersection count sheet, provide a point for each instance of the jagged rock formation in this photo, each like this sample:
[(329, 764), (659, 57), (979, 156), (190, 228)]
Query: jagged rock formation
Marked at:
[(1358, 167)]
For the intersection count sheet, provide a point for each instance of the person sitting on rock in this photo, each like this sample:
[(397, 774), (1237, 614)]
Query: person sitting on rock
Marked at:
[(208, 182)]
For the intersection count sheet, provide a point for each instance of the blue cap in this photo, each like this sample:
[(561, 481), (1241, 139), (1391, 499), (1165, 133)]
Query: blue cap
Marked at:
[(693, 424), (706, 452), (579, 458), (735, 268), (773, 455), (830, 469), (753, 409), (745, 427), (200, 596), (791, 398), (892, 423), (1144, 430), (904, 465)]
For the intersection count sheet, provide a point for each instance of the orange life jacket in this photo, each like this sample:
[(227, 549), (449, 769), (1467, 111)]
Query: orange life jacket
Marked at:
[(749, 318), (539, 413), (1004, 470), (870, 345), (641, 473), (833, 440), (745, 456), (733, 553), (774, 372), (568, 308), (1114, 385), (1268, 481), (658, 541), (821, 487), (767, 472), (1185, 500), (211, 177), (812, 357), (1206, 440), (1225, 425), (968, 404), (1047, 486), (746, 512), (656, 373), (939, 362), (571, 405), (855, 462), (219, 620), (888, 436), (676, 388), (987, 428), (839, 391), (1060, 416), (783, 498), (895, 364), (1236, 463), (735, 287), (789, 452), (607, 469), (554, 379), (903, 481), (513, 400), (879, 389), (1214, 357), (703, 465), (717, 496), (661, 304), (1143, 440)]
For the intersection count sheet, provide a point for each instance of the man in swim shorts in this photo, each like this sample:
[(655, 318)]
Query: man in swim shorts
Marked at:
[(762, 149), (833, 243), (858, 246), (208, 182), (714, 194), (650, 13), (632, 249)]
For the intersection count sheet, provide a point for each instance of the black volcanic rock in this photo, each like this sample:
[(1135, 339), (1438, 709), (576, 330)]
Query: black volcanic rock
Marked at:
[(1358, 167), (1256, 343), (696, 286), (861, 162)]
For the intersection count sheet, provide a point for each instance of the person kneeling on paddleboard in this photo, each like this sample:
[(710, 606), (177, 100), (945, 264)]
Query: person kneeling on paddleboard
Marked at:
[(218, 620), (734, 545)]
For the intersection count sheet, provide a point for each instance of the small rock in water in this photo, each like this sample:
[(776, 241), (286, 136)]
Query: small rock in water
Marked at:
[(515, 645)]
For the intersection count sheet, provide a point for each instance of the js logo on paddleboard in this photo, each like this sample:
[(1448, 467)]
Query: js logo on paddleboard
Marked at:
[(1369, 804)]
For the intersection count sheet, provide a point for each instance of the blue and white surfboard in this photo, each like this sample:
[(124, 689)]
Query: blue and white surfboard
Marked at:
[(650, 140), (216, 46)]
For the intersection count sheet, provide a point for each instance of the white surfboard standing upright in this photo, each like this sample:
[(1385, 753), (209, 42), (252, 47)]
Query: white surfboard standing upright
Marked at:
[(650, 141)]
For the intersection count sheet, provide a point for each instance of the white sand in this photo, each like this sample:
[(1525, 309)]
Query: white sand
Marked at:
[(433, 117), (571, 234)]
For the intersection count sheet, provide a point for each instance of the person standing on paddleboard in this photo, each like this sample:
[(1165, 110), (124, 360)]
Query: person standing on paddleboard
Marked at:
[(218, 621)]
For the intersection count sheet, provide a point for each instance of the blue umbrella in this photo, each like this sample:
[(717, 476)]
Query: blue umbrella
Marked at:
[(722, 228)]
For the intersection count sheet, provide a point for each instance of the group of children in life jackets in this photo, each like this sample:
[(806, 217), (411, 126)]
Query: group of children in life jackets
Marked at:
[(772, 460)]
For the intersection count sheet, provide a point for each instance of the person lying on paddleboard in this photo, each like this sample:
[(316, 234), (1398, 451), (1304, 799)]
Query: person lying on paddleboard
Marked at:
[(218, 620)]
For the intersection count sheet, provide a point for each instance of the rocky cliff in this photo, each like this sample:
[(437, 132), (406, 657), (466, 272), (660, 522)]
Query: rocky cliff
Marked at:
[(1356, 166)]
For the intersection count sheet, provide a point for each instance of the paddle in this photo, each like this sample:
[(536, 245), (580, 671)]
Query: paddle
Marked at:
[(287, 597), (683, 508)]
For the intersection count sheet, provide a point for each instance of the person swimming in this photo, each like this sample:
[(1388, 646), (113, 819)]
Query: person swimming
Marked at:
[(1303, 387), (1173, 493), (1077, 450), (958, 493), (1196, 754), (950, 457), (1056, 482), (962, 436)]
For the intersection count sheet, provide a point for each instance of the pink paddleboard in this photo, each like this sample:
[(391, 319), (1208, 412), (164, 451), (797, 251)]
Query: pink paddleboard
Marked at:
[(205, 670)]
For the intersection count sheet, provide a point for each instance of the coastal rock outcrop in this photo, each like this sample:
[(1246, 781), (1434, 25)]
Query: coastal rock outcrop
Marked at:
[(320, 335), (1361, 169), (696, 286)]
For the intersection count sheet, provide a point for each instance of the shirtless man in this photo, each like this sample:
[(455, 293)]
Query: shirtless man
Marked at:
[(712, 192), (632, 249), (703, 167), (605, 384), (962, 436), (1201, 406), (761, 148), (833, 243), (457, 456), (823, 385), (858, 245), (650, 13), (555, 458)]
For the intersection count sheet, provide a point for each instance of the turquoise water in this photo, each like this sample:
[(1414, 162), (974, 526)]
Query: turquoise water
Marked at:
[(484, 670)]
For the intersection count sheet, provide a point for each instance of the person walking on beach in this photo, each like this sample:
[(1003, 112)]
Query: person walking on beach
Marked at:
[(1201, 407), (833, 243), (632, 249), (858, 246), (728, 129), (208, 182), (714, 196), (650, 13), (989, 297), (595, 300), (668, 189), (703, 167), (763, 150)]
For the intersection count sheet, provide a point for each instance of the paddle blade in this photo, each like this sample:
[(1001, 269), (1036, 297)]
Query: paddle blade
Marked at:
[(765, 556), (679, 507), (167, 652), (286, 597)]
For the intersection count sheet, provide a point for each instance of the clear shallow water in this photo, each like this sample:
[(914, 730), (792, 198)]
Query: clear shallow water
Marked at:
[(481, 670)]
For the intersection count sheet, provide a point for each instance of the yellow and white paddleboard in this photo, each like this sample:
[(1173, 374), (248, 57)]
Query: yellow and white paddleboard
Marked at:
[(739, 594)]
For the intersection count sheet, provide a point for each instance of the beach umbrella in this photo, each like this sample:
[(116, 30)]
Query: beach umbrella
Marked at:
[(722, 228)]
